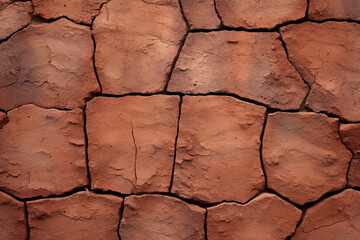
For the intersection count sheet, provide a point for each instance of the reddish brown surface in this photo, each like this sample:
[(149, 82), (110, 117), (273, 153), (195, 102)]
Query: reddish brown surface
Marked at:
[(12, 218), (180, 119), (254, 220)]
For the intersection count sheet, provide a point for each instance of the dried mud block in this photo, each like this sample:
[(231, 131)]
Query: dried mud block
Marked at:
[(251, 65), (200, 14), (337, 217), (303, 155), (260, 14), (136, 44), (48, 64), (12, 218), (42, 152), (83, 215), (161, 217), (80, 11), (14, 17), (131, 142), (327, 56), (218, 155), (334, 9), (266, 217)]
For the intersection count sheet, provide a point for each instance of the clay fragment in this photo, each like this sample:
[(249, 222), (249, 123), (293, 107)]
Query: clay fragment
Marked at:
[(136, 44), (14, 17), (48, 64), (303, 155), (217, 154), (266, 217), (334, 9), (251, 65), (83, 215), (200, 14), (260, 14), (131, 142), (161, 217), (327, 56), (80, 11), (42, 152), (336, 217), (12, 218)]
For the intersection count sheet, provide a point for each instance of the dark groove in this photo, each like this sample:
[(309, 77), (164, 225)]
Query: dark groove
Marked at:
[(352, 155), (205, 226), (94, 63), (183, 15), (94, 17), (27, 221), (307, 9), (303, 213), (136, 152), (261, 147), (218, 15), (176, 138), (19, 30), (173, 64), (41, 19), (121, 213), (86, 148)]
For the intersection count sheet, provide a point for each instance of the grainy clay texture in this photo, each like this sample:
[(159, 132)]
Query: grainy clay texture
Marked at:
[(84, 215), (131, 142), (161, 217), (180, 119)]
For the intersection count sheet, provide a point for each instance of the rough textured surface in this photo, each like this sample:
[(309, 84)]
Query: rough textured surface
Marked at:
[(131, 142), (48, 64), (136, 43), (354, 172), (13, 17), (337, 217), (81, 11), (83, 215), (200, 14), (350, 135), (12, 218), (161, 217), (327, 56), (212, 129), (303, 155), (334, 9), (259, 14), (42, 152), (266, 217), (251, 65)]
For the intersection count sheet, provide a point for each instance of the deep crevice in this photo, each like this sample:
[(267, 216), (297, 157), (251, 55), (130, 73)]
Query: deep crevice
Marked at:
[(94, 63), (121, 214), (218, 15), (41, 19), (27, 221), (86, 148), (350, 150), (173, 64), (176, 138), (205, 224), (183, 15), (19, 30), (261, 147), (303, 213)]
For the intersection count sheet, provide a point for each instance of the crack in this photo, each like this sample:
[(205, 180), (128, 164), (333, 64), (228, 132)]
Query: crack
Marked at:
[(136, 150), (41, 19), (173, 64), (94, 63), (350, 150), (121, 214), (303, 107), (261, 147), (307, 9), (205, 226), (324, 226), (303, 213), (183, 15), (176, 138), (19, 30), (86, 147), (218, 15), (100, 8), (27, 221)]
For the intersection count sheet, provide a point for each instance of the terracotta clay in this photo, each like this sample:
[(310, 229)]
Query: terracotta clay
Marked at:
[(251, 65), (260, 14), (334, 9), (136, 44), (161, 217), (266, 217), (303, 155), (42, 152), (131, 142), (12, 218), (83, 215), (200, 14), (218, 155), (14, 17), (337, 217), (327, 56), (48, 64), (80, 11)]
